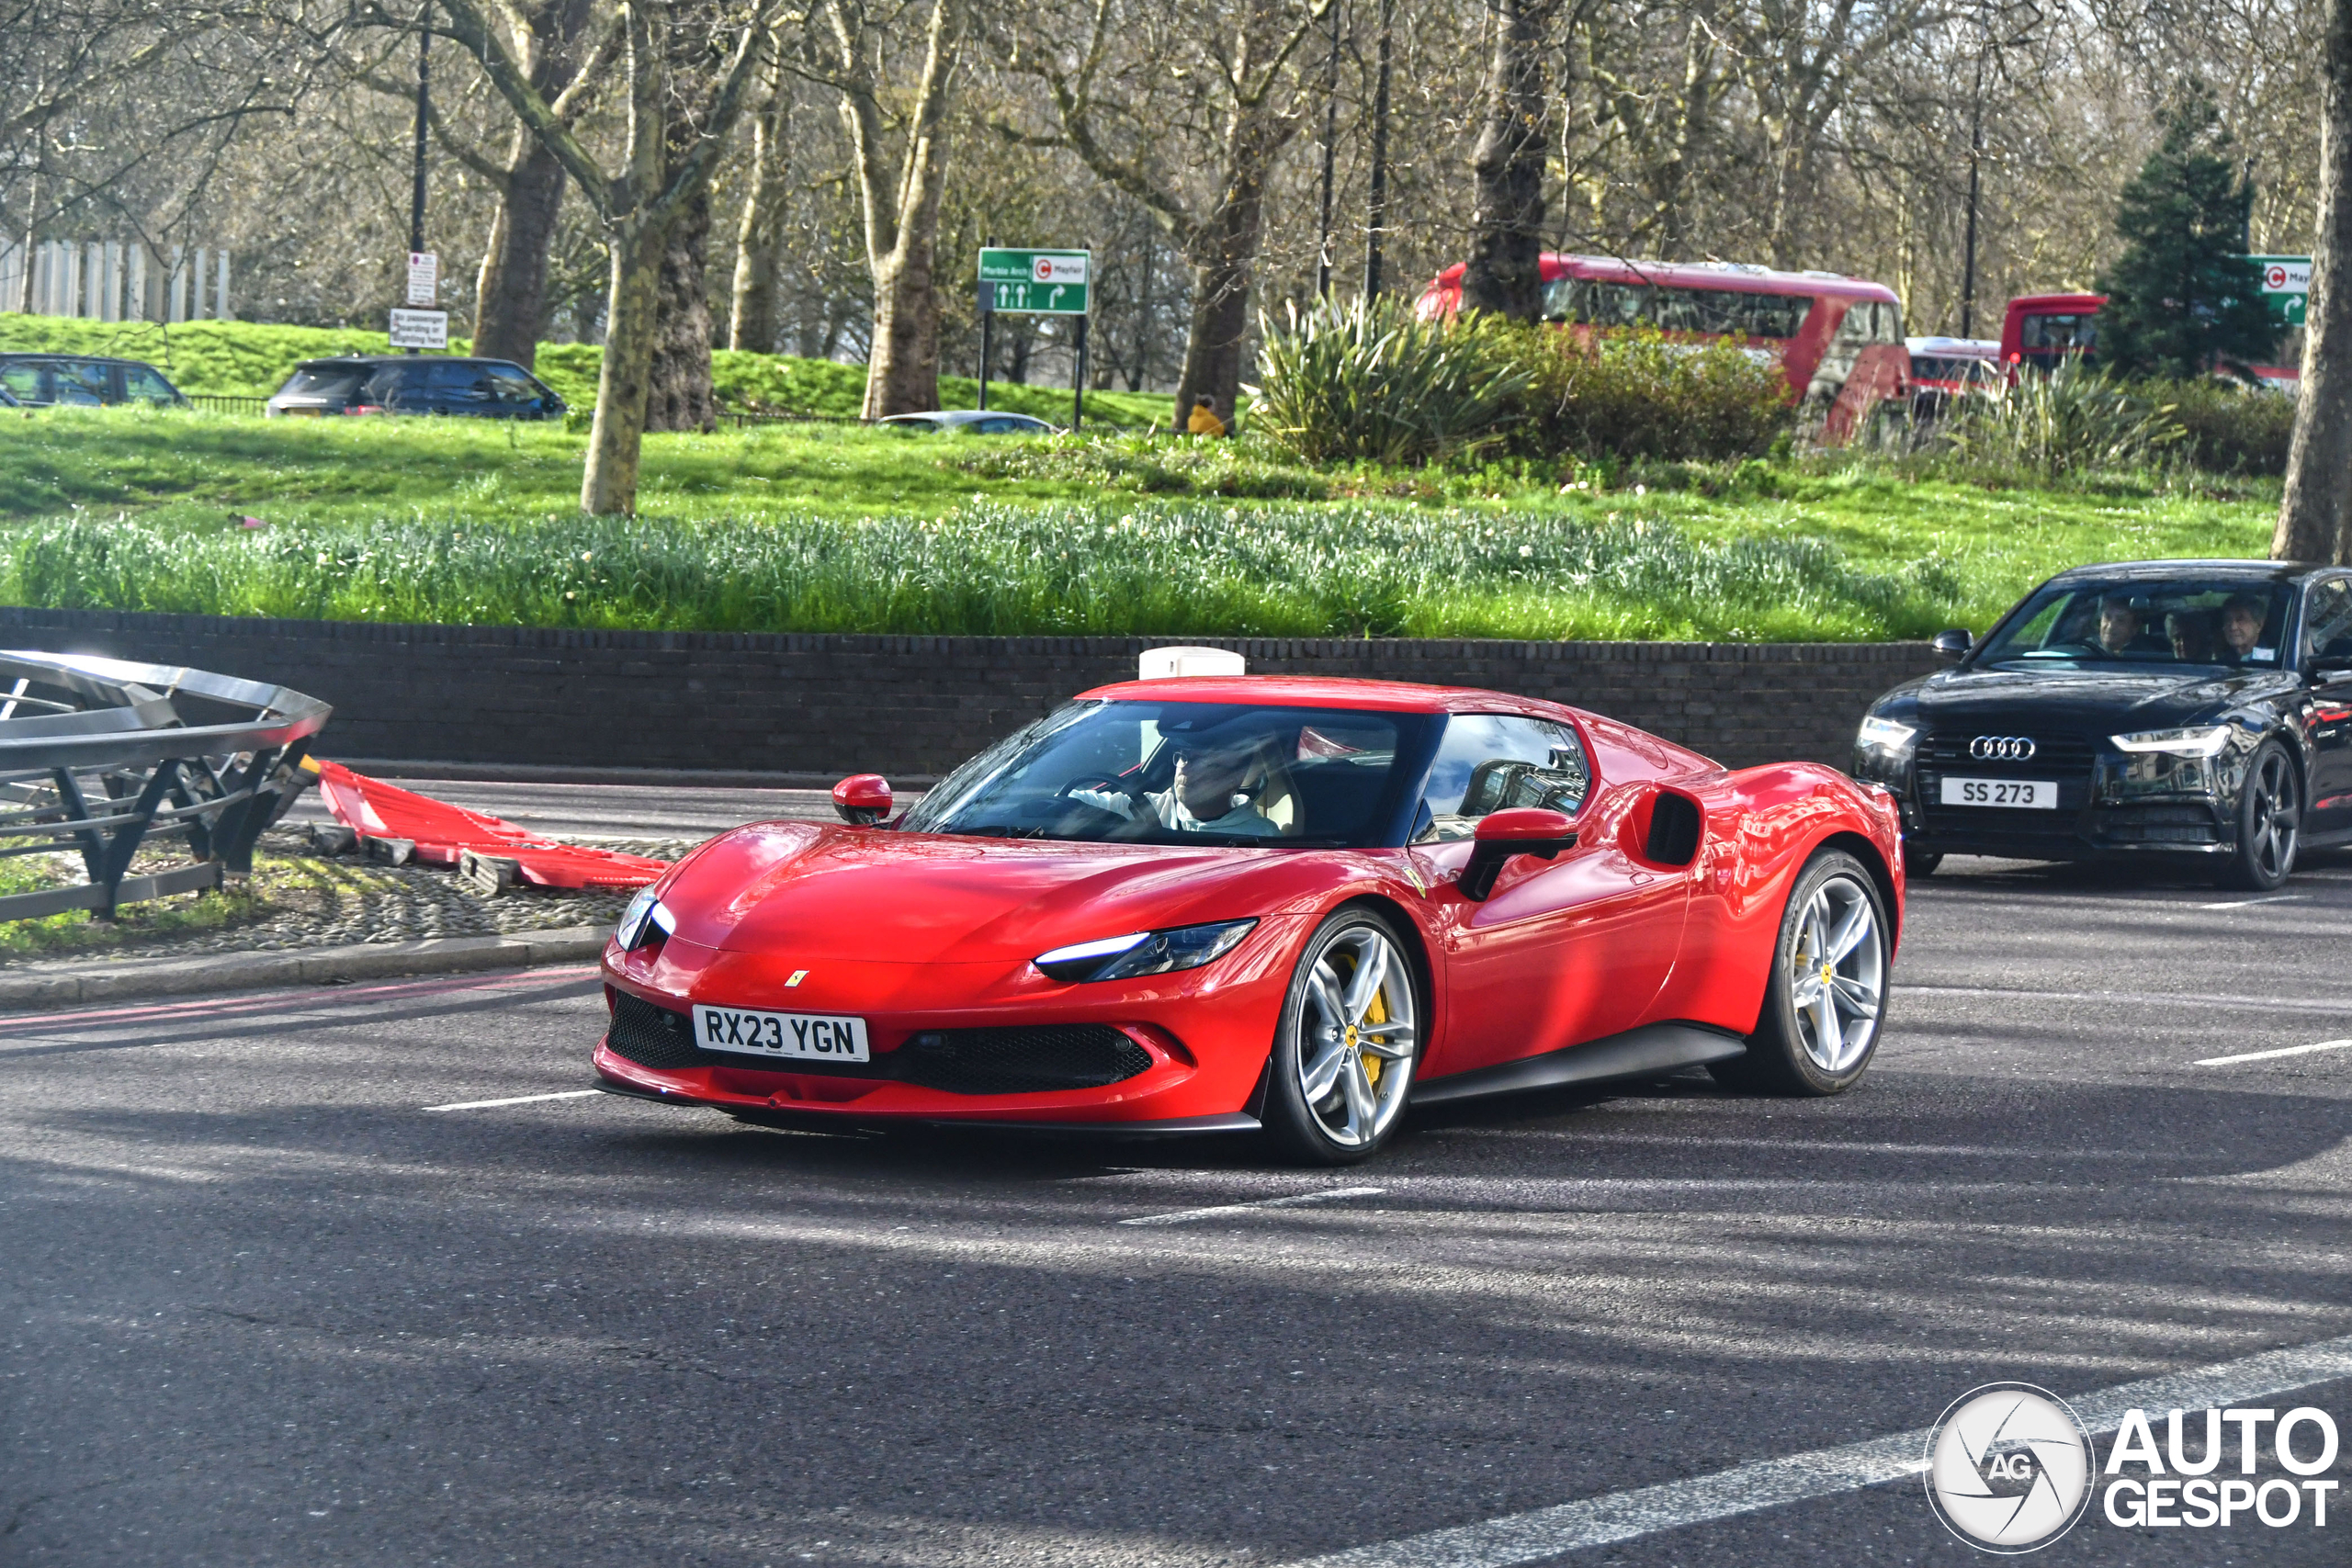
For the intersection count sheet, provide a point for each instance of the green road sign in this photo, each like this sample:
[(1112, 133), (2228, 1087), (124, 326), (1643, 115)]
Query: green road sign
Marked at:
[(2286, 288), (1047, 283)]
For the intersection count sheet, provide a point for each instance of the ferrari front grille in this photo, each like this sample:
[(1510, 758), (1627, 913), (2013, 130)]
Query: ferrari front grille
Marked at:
[(1033, 1060), (651, 1036)]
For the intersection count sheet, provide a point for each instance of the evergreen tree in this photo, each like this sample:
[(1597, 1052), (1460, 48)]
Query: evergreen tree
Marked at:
[(2182, 298)]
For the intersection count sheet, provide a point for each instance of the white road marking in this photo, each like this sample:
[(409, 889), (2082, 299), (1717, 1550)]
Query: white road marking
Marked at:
[(518, 1100), (2282, 1051), (1700, 1142), (1543, 1533), (2140, 998), (1296, 1200), (2249, 903)]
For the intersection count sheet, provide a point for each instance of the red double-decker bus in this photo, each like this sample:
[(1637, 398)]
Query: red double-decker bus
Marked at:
[(1839, 339), (2041, 330)]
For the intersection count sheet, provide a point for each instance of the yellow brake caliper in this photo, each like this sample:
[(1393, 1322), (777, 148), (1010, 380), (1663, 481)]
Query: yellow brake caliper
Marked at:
[(1377, 1012)]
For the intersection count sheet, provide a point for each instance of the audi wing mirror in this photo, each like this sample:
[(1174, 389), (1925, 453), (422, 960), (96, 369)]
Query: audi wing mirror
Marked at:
[(1953, 645), (1521, 830), (862, 799)]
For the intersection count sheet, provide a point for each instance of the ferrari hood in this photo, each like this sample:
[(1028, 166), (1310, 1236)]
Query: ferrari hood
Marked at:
[(834, 894), (2090, 699)]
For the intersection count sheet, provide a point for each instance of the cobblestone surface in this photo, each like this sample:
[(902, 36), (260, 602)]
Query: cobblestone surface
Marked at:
[(312, 900)]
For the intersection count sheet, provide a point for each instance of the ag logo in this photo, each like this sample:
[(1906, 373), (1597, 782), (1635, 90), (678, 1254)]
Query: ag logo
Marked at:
[(2008, 1467)]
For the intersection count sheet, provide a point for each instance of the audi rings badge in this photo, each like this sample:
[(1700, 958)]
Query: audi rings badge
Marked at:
[(2002, 748)]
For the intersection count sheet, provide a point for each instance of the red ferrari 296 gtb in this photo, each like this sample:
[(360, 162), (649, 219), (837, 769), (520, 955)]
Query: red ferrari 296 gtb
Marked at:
[(1263, 902)]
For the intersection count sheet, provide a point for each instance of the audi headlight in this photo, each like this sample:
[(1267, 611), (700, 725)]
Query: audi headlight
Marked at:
[(1886, 735), (2206, 741), (645, 915), (1144, 952)]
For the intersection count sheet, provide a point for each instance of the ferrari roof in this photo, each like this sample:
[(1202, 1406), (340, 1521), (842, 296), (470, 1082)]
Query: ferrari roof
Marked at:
[(1315, 691)]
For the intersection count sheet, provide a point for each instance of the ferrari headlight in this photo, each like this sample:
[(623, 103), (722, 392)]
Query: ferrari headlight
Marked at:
[(645, 915), (2206, 741), (1144, 952), (1886, 735)]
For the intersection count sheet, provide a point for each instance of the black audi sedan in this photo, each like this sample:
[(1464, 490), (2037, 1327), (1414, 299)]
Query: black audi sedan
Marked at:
[(482, 388), (2194, 710)]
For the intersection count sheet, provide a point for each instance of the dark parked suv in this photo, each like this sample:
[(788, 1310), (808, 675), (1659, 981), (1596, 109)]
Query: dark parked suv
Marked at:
[(483, 389), (41, 380)]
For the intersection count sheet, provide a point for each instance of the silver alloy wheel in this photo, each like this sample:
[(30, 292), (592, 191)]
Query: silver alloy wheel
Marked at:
[(1836, 973), (1356, 1034), (2272, 851)]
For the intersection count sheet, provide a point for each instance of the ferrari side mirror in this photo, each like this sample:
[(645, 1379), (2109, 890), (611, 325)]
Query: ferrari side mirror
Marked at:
[(862, 799), (1521, 830), (1953, 644)]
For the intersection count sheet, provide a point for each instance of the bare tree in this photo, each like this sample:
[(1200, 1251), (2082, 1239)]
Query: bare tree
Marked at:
[(2315, 515), (1504, 273), (637, 206), (899, 196), (1236, 104), (752, 319)]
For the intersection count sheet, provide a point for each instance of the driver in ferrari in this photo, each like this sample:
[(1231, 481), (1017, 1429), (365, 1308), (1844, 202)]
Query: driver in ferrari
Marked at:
[(1220, 787)]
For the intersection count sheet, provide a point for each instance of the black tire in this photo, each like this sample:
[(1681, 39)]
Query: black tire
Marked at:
[(2270, 820), (1795, 1055), (1358, 1068)]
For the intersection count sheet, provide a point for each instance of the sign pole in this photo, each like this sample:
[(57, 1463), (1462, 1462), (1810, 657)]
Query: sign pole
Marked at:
[(987, 335), (1078, 381), (416, 198)]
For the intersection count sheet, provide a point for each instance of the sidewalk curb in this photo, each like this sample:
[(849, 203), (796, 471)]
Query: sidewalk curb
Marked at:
[(133, 980)]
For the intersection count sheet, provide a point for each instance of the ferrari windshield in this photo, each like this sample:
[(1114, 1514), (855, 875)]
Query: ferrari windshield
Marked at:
[(1187, 773), (2189, 619)]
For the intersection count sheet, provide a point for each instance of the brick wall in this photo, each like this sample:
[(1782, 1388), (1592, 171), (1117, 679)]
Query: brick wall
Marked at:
[(909, 706)]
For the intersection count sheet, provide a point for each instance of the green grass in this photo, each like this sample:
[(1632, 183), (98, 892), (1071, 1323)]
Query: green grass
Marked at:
[(250, 359)]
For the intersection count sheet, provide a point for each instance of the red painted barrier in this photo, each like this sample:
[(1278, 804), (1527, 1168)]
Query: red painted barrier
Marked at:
[(442, 833)]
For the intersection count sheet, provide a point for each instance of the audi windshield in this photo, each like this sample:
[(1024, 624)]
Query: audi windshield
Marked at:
[(2189, 620)]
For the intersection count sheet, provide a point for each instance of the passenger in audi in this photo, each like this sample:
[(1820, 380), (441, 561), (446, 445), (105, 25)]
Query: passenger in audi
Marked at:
[(2120, 623), (2192, 637), (2242, 620)]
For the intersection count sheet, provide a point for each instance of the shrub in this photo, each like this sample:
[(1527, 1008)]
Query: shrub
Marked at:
[(1638, 395), (1369, 381), (2071, 420), (2225, 428)]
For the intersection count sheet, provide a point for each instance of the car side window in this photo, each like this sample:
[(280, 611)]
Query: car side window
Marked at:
[(143, 384), (23, 381), (511, 388), (1491, 762), (83, 383), (391, 384), (2327, 620)]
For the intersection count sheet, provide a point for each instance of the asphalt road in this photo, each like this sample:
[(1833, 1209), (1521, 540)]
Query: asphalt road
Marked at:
[(262, 1305)]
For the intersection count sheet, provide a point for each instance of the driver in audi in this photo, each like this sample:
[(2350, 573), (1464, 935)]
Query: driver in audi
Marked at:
[(1217, 789)]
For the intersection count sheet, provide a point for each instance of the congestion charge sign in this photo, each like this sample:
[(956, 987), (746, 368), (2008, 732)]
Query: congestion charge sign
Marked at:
[(1048, 283), (2286, 288)]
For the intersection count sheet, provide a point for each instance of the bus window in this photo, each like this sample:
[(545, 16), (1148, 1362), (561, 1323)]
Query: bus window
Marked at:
[(2059, 334)]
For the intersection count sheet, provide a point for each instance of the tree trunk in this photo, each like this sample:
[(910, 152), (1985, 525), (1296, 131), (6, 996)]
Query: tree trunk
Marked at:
[(510, 303), (2315, 515), (752, 323), (609, 484), (1221, 305), (679, 395), (902, 371), (1505, 271)]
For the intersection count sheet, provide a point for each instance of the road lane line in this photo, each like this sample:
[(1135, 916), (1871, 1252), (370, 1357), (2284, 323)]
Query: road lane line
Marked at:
[(1296, 1200), (1542, 1533), (2249, 903), (518, 1100), (2282, 1051), (2136, 999)]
